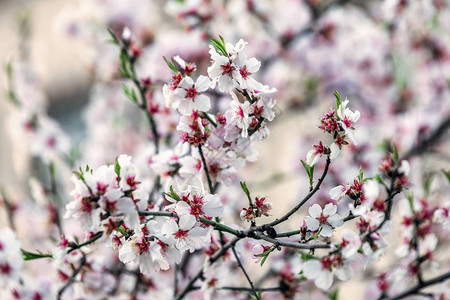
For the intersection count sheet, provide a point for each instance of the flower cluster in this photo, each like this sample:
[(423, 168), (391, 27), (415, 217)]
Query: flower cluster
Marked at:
[(339, 124)]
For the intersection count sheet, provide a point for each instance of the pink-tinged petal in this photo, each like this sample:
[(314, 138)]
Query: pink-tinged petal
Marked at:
[(335, 221), (253, 65), (202, 103), (186, 222), (311, 223), (315, 210), (202, 83), (324, 280), (326, 231), (186, 82), (311, 268), (329, 209)]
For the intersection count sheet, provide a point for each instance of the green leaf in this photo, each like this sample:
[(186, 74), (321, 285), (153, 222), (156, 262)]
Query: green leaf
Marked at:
[(130, 93), (334, 295), (26, 255), (360, 174), (395, 155), (220, 46), (114, 39), (378, 178), (247, 192), (173, 195), (117, 168), (171, 64), (79, 175), (447, 174), (122, 230), (428, 180), (338, 98), (306, 256)]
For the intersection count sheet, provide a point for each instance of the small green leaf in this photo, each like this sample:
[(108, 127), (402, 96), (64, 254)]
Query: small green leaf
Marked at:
[(122, 230), (360, 174), (395, 154), (171, 64), (26, 255), (338, 98), (130, 93), (173, 195), (79, 175), (334, 295), (447, 174), (114, 39), (117, 168)]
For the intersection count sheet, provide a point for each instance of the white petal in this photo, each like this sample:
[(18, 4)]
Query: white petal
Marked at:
[(311, 268), (324, 280), (329, 209), (253, 65), (186, 82), (326, 231), (315, 210), (334, 148), (187, 222), (311, 223), (335, 221), (202, 83), (202, 103)]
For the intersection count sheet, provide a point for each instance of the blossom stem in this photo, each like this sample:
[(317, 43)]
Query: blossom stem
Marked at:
[(205, 167), (245, 272), (307, 197), (208, 117), (218, 226), (289, 233), (72, 278), (292, 244), (88, 242)]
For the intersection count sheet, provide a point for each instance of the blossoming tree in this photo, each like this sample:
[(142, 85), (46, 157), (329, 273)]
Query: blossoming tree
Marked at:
[(174, 216)]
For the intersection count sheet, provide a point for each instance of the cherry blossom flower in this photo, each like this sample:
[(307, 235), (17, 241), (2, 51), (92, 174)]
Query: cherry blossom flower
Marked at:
[(188, 95), (240, 114), (327, 219), (187, 235), (312, 157), (347, 119)]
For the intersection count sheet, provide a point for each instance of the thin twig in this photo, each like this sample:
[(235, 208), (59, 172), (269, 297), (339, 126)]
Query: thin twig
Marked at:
[(307, 197), (245, 272), (72, 278)]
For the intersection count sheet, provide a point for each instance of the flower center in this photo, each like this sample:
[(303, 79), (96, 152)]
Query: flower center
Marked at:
[(181, 234), (244, 72), (227, 69), (323, 219), (191, 93)]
